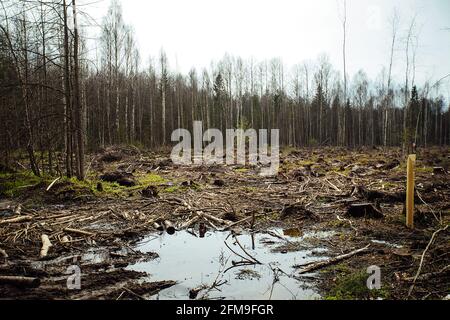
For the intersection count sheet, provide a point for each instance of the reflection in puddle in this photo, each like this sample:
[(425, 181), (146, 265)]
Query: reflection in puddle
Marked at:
[(194, 262)]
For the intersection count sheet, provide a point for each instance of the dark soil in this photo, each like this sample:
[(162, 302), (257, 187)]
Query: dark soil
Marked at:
[(359, 195)]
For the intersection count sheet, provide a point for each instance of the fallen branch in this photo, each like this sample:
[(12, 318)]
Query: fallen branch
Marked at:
[(236, 223), (189, 223), (16, 220), (317, 265), (77, 231), (46, 244), (158, 226), (333, 186), (423, 258), (213, 218), (241, 256), (52, 184), (19, 281), (250, 256), (3, 254), (168, 226), (427, 276)]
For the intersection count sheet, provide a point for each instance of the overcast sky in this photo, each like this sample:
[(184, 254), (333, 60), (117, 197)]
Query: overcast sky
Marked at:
[(195, 32)]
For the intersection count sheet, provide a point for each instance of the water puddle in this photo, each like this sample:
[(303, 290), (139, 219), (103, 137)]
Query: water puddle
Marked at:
[(194, 262)]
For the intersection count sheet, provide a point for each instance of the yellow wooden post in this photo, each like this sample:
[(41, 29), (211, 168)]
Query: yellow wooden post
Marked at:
[(410, 191)]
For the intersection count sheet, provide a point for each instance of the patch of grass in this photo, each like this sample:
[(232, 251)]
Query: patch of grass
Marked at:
[(172, 189), (109, 188), (344, 172), (181, 188), (337, 224), (241, 170), (13, 184), (353, 286), (305, 163), (424, 170), (151, 179)]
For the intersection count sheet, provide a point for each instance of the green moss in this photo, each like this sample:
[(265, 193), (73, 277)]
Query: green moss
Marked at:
[(353, 286), (13, 184), (182, 188), (424, 169), (151, 179), (306, 163), (172, 189), (336, 224)]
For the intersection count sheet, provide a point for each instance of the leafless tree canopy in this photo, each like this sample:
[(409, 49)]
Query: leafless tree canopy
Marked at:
[(56, 100)]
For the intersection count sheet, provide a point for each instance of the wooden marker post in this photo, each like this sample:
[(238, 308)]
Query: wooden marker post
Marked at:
[(410, 190)]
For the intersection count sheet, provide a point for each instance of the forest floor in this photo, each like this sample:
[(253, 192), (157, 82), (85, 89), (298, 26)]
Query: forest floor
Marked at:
[(332, 199)]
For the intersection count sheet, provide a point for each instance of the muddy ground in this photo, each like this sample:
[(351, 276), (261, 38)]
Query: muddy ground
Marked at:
[(355, 196)]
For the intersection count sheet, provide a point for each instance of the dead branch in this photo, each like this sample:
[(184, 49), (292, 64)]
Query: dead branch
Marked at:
[(52, 184), (422, 258), (16, 220), (81, 232), (189, 223), (229, 226), (317, 265), (332, 185), (239, 255), (427, 276), (168, 226), (249, 255)]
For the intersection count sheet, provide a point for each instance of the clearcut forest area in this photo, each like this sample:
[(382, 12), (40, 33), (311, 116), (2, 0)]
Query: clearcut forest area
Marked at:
[(94, 203)]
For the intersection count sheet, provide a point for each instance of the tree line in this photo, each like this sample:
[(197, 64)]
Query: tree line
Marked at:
[(59, 96)]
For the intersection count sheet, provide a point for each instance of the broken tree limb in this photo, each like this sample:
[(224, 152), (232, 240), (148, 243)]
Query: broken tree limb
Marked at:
[(158, 226), (422, 258), (332, 185), (245, 251), (3, 254), (16, 220), (189, 223), (239, 255), (427, 276), (19, 281), (81, 232), (213, 218), (168, 226), (46, 244), (52, 184), (317, 265), (236, 223)]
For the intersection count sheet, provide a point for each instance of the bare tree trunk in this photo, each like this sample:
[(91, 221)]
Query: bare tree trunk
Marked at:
[(67, 95), (78, 106)]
